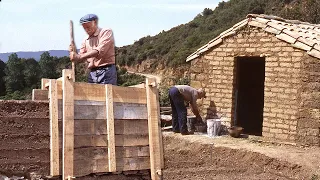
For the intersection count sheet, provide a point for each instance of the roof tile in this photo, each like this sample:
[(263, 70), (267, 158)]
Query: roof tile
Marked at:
[(291, 33), (299, 34), (257, 24), (317, 47), (272, 30), (301, 45), (286, 38), (314, 53)]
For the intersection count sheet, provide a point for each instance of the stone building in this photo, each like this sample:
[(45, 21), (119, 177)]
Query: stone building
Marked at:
[(264, 75)]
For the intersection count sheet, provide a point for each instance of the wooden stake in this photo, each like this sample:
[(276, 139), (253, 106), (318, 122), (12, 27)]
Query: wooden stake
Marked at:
[(54, 131), (154, 129), (43, 83), (68, 123), (74, 49), (110, 129)]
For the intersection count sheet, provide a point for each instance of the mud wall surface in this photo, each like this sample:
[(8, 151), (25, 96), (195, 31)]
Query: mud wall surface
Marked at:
[(25, 143), (24, 137), (308, 127)]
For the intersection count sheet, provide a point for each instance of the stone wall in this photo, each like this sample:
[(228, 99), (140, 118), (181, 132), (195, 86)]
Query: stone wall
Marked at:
[(309, 116), (215, 71)]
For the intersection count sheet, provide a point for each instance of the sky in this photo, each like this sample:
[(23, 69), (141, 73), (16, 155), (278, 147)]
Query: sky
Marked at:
[(41, 25)]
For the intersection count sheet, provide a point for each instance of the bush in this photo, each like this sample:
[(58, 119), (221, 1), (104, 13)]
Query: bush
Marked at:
[(164, 96)]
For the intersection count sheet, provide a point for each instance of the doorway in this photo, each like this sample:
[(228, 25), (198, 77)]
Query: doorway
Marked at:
[(249, 94)]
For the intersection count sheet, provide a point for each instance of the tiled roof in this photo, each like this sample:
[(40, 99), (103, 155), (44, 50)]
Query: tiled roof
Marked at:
[(299, 34)]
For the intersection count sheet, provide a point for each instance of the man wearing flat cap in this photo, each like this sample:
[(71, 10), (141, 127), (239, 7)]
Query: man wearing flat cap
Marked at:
[(98, 50), (178, 94)]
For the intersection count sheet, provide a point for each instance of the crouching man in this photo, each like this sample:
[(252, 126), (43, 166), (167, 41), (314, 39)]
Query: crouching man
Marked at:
[(178, 95)]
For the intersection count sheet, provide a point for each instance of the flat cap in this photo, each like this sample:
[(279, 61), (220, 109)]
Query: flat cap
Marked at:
[(88, 18)]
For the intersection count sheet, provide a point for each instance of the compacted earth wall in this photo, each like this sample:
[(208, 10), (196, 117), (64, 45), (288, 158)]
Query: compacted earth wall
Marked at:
[(25, 142), (24, 138)]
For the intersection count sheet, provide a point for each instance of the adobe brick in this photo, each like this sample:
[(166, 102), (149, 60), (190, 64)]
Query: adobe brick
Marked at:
[(215, 63), (297, 54), (277, 131), (266, 129), (267, 134), (282, 126), (281, 136), (266, 124), (289, 49), (264, 49), (276, 49), (283, 54), (293, 128), (273, 64), (277, 90), (217, 50), (268, 45)]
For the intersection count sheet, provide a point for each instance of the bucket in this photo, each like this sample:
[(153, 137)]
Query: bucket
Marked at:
[(191, 120), (213, 127)]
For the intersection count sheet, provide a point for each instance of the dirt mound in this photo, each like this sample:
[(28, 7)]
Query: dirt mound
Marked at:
[(192, 160)]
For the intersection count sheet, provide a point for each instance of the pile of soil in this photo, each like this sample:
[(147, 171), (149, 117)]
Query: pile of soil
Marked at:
[(194, 160)]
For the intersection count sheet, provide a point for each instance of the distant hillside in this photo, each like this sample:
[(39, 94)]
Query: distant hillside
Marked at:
[(35, 55), (170, 48)]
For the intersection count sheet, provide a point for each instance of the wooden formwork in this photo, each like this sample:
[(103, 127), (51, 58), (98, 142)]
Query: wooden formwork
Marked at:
[(102, 128)]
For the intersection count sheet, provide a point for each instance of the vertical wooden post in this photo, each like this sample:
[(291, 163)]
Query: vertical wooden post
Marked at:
[(54, 131), (154, 129), (68, 123), (43, 83), (110, 129), (160, 135)]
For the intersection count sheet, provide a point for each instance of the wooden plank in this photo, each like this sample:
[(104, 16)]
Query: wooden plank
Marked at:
[(44, 81), (121, 111), (102, 152), (89, 91), (39, 95), (131, 127), (134, 151), (110, 129), (130, 111), (99, 127), (96, 92), (129, 95), (154, 129), (68, 124), (84, 167), (102, 140), (54, 131), (59, 89)]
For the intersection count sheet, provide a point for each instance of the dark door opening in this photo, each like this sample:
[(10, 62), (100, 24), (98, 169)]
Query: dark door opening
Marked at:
[(249, 94)]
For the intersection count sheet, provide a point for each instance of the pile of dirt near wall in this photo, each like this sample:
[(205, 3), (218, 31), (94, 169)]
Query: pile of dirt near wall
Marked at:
[(195, 160)]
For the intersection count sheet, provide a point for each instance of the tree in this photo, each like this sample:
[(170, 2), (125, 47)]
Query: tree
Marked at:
[(207, 12), (31, 73), (14, 79), (48, 66), (2, 75)]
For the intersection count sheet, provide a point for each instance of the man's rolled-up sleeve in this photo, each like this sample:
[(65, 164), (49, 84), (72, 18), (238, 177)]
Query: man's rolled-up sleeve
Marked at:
[(105, 42)]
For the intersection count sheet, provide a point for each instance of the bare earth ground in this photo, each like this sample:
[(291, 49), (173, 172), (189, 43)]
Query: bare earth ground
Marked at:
[(186, 157), (200, 157)]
